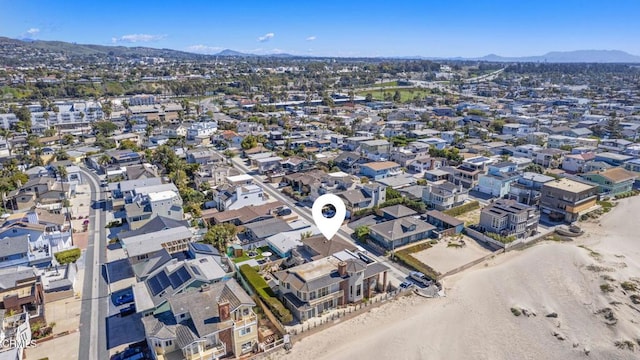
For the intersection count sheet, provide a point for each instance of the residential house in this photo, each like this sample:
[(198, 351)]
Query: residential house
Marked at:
[(363, 197), (376, 150), (612, 181), (498, 179), (614, 145), (227, 326), (152, 201), (509, 218), (444, 195), (574, 163), (20, 291), (311, 289), (174, 131), (350, 162), (445, 224), (201, 129), (380, 169), (517, 130), (270, 164), (526, 189), (395, 233), (204, 157), (612, 159), (158, 234), (566, 199), (468, 173), (549, 158), (231, 197), (256, 233), (632, 165)]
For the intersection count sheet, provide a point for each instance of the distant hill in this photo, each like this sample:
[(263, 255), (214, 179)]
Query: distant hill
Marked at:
[(229, 52), (11, 47), (578, 56)]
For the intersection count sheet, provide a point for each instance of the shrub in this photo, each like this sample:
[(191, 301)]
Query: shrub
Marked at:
[(629, 286), (404, 257), (459, 210), (606, 288), (516, 311), (502, 239), (68, 256), (262, 289)]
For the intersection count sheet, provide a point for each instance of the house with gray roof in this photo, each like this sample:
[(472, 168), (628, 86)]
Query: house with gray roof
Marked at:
[(174, 277), (209, 322), (140, 246), (394, 233), (310, 289)]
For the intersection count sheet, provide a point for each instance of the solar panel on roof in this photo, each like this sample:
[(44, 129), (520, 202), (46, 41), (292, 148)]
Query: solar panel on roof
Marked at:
[(200, 247), (158, 283), (179, 277)]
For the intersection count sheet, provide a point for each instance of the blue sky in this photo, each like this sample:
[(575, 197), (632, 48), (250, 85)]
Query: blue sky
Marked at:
[(334, 28)]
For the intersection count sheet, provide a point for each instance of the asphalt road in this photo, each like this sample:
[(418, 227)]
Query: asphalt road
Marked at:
[(93, 340), (304, 213)]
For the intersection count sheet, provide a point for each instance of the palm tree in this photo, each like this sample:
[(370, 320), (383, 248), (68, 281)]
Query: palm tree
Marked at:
[(62, 174)]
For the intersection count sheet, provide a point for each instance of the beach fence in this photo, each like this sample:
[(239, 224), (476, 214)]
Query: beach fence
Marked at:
[(471, 264), (312, 326)]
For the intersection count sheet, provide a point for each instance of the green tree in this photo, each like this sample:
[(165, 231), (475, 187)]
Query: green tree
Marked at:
[(105, 128), (249, 142), (218, 235), (396, 96), (368, 97), (392, 193), (362, 232)]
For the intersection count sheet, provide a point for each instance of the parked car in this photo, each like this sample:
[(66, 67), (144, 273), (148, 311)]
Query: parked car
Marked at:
[(420, 279), (129, 354), (405, 285), (124, 299), (131, 309)]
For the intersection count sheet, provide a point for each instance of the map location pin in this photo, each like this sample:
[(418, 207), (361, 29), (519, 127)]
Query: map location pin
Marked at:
[(328, 213)]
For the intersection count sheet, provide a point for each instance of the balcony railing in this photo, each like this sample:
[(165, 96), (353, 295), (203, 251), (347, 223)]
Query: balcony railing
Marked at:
[(246, 321), (332, 295)]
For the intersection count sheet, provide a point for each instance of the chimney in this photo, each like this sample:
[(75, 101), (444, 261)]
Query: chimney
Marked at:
[(342, 268), (204, 288), (224, 312)]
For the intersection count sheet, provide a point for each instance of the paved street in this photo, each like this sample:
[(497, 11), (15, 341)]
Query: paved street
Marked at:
[(93, 341)]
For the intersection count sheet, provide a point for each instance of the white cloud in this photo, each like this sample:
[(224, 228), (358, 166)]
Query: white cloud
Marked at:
[(311, 38), (135, 38), (33, 31), (204, 49), (266, 37)]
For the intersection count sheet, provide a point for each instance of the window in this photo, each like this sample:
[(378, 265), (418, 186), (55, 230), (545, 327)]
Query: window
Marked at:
[(247, 346), (168, 343), (358, 290), (245, 331)]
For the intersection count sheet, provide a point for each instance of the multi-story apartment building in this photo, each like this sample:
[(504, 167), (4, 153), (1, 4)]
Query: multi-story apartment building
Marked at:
[(567, 199)]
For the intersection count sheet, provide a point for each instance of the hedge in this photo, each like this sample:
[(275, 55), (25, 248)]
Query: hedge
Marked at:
[(68, 256), (404, 257), (459, 210), (262, 289)]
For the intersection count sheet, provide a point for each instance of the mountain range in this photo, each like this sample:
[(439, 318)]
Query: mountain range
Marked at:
[(13, 48)]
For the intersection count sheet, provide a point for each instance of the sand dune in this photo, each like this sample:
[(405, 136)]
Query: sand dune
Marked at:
[(475, 321)]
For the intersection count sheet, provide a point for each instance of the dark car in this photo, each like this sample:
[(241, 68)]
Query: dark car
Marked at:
[(406, 285), (131, 309), (129, 353), (124, 299)]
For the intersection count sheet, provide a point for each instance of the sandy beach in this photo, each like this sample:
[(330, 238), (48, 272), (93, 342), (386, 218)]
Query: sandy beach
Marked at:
[(475, 320)]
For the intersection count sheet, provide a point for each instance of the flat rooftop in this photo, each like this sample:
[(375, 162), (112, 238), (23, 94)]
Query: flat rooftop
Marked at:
[(569, 185)]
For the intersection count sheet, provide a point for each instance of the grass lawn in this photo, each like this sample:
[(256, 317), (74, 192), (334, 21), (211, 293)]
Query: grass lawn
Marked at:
[(386, 84), (405, 94), (246, 257)]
